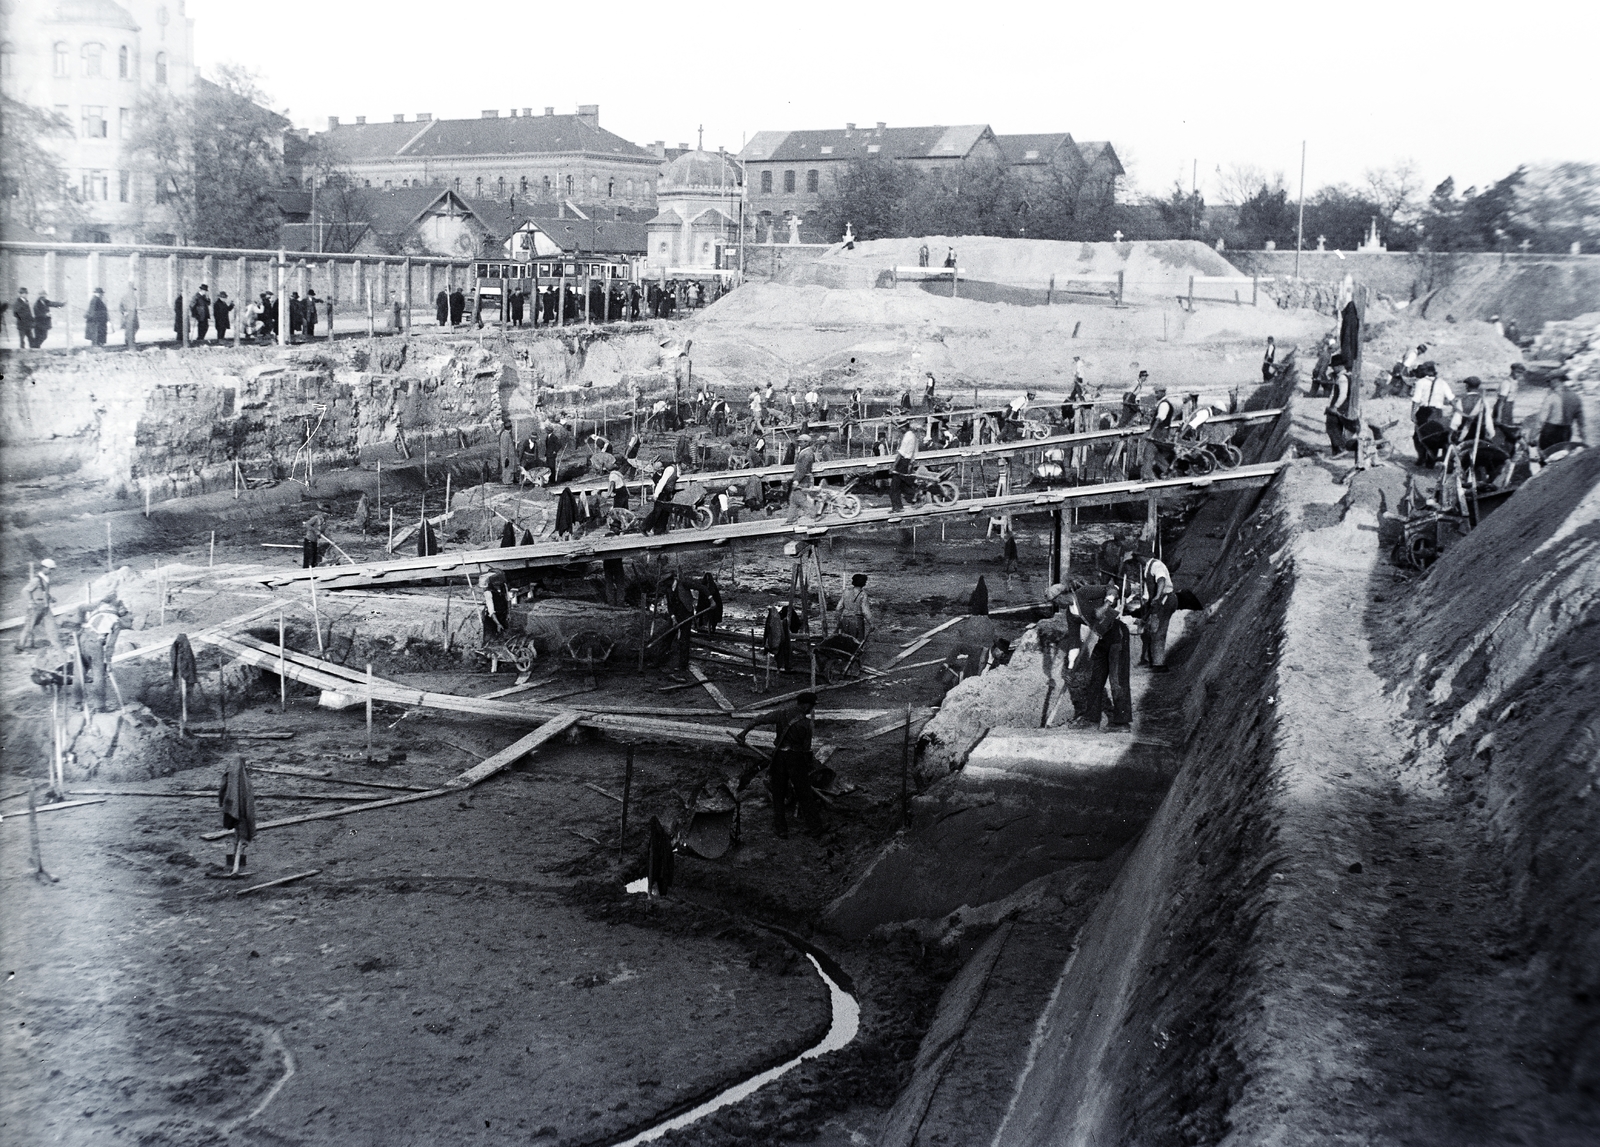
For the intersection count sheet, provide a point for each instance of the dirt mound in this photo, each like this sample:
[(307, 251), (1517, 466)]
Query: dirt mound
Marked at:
[(1575, 343), (1529, 292), (1149, 268)]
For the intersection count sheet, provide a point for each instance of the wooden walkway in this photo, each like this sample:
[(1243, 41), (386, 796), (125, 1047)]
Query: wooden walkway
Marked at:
[(593, 548)]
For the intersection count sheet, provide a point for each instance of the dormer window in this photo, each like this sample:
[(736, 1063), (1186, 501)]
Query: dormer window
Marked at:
[(873, 149), (828, 150), (1030, 154)]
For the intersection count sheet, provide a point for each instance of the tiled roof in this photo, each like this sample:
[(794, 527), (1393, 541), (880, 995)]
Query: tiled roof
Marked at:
[(1037, 148), (931, 142), (594, 236), (1100, 152), (667, 218), (507, 135)]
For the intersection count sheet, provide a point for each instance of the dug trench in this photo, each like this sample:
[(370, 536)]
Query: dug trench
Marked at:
[(1361, 911)]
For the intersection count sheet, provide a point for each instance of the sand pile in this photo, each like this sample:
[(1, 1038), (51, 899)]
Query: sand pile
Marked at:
[(1148, 268)]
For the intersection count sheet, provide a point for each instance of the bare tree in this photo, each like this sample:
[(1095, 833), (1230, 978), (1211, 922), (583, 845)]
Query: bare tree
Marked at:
[(1394, 190)]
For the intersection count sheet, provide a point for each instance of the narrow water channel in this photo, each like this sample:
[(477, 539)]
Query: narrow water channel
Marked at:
[(842, 1028)]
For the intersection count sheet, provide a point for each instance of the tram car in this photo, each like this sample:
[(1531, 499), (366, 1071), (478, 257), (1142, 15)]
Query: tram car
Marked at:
[(601, 279)]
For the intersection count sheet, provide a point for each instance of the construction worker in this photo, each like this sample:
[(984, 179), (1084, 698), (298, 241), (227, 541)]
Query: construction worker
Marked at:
[(1269, 360), (38, 609), (905, 459), (310, 549), (791, 762), (1432, 401), (496, 613), (1108, 663), (800, 495), (855, 611), (1561, 416), (680, 608), (106, 620), (1159, 602)]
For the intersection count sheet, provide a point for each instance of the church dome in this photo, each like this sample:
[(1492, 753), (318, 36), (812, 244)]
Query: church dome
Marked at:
[(700, 171)]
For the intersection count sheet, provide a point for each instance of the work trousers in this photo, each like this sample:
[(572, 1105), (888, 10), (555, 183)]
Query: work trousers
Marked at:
[(1108, 664), (1554, 434), (308, 553), (898, 481), (685, 640), (38, 614), (1156, 620), (99, 651), (799, 503), (791, 777)]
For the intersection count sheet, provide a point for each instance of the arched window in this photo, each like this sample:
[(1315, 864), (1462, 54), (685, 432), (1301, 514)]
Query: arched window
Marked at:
[(594, 185), (388, 185), (93, 60), (611, 188), (630, 188), (368, 182), (547, 183), (524, 185), (62, 58), (500, 188), (479, 191), (811, 180), (7, 50), (161, 67), (766, 182), (569, 185), (458, 183), (122, 62)]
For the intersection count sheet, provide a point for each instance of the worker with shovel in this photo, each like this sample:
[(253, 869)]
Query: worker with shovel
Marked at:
[(38, 611), (790, 764), (106, 620)]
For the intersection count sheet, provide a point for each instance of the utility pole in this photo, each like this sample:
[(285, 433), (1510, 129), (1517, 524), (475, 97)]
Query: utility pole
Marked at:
[(1194, 200), (1300, 227)]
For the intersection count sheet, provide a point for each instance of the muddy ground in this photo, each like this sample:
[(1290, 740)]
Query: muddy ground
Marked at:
[(468, 967)]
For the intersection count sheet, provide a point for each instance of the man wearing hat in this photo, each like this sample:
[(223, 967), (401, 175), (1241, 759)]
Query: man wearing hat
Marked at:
[(96, 318), (105, 621), (800, 496), (22, 312), (38, 608), (791, 762), (855, 612), (1561, 417), (904, 459)]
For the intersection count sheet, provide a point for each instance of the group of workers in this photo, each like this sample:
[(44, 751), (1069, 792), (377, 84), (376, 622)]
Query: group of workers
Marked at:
[(91, 630)]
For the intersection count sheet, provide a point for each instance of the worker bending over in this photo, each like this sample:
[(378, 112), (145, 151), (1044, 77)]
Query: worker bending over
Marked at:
[(791, 762)]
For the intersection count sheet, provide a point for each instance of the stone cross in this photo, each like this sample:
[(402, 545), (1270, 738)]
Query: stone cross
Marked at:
[(1525, 245), (1116, 236), (1322, 242)]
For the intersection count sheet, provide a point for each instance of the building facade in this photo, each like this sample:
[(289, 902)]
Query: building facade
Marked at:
[(698, 226), (90, 61), (521, 158)]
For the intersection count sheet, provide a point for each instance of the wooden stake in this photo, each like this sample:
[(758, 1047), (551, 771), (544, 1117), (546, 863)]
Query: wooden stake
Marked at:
[(316, 618), (283, 678), (212, 560), (380, 489), (108, 547), (183, 713), (390, 547), (163, 588), (905, 773), (369, 710), (222, 696), (147, 500), (627, 794)]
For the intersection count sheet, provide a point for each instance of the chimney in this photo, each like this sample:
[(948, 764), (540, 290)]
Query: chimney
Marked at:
[(361, 119), (490, 113), (660, 149), (549, 111), (561, 208), (880, 127), (333, 122), (849, 129), (527, 112), (424, 117), (399, 117), (683, 147), (589, 114)]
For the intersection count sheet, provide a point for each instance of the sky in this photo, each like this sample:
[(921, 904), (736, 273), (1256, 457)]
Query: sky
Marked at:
[(1178, 89)]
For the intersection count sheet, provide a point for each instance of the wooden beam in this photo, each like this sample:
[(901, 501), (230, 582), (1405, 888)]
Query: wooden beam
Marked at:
[(515, 751), (717, 695)]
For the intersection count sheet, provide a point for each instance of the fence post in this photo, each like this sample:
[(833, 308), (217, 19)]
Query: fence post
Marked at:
[(1050, 292), (1120, 285), (405, 296), (241, 298), (1191, 294), (282, 299), (333, 293), (1255, 287)]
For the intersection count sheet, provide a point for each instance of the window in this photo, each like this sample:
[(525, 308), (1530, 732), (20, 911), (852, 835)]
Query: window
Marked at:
[(124, 185), (93, 59), (388, 185), (827, 149), (500, 188), (594, 185), (788, 181), (122, 62), (161, 67), (1031, 153), (479, 185), (873, 149), (663, 248), (630, 189), (7, 50), (458, 183), (569, 185), (96, 187), (547, 183), (124, 122), (766, 183), (811, 180), (61, 58), (524, 185), (94, 122), (367, 182), (611, 188)]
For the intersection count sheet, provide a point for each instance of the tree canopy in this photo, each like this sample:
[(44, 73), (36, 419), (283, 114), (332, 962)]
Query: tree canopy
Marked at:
[(33, 184)]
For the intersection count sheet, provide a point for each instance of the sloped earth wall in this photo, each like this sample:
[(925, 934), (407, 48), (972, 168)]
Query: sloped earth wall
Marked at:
[(1364, 910)]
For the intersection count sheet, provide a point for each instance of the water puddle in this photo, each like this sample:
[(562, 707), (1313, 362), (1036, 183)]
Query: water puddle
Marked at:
[(845, 1023)]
